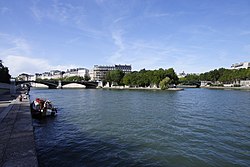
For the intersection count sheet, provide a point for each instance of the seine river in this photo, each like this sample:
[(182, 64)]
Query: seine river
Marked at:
[(95, 127)]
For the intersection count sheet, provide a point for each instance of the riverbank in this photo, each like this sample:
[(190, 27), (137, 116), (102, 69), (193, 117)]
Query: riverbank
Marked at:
[(141, 88), (226, 88), (17, 145)]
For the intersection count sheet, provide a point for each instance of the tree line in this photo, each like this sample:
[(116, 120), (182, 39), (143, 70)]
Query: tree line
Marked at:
[(4, 73), (222, 75), (143, 78)]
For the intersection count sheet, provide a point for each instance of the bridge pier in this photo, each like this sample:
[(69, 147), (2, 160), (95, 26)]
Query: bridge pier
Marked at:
[(59, 85)]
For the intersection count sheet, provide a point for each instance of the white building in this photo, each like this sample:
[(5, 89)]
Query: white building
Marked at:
[(31, 77), (91, 74), (23, 77), (81, 72), (182, 75), (240, 65), (99, 72), (46, 75), (56, 74), (245, 83), (53, 74)]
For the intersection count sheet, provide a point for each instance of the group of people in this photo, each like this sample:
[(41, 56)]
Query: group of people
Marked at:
[(21, 97), (40, 104)]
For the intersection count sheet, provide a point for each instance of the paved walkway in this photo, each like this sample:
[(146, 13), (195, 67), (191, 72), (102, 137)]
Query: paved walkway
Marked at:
[(17, 145)]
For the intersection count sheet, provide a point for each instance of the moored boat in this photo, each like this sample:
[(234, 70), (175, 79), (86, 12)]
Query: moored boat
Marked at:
[(42, 108)]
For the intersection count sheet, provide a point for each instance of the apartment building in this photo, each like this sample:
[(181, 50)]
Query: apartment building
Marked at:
[(240, 65), (99, 72)]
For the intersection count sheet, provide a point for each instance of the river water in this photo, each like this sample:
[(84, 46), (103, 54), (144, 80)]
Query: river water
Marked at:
[(95, 127)]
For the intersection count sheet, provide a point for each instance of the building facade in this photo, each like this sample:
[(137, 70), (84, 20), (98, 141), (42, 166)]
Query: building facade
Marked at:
[(182, 75), (23, 77), (240, 65), (99, 72), (245, 83), (53, 74), (81, 72)]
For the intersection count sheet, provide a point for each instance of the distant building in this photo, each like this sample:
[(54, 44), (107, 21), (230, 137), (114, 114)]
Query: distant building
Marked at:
[(46, 75), (123, 68), (53, 74), (23, 77), (81, 72), (240, 65), (37, 76), (182, 75), (56, 74), (245, 83), (99, 72), (31, 77)]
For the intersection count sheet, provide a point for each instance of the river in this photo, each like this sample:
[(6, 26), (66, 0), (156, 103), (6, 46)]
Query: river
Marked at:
[(95, 127)]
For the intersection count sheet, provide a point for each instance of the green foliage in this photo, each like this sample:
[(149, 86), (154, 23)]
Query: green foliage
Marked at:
[(164, 84), (86, 77), (114, 76), (172, 75), (73, 78), (222, 75), (183, 80), (146, 78), (4, 73)]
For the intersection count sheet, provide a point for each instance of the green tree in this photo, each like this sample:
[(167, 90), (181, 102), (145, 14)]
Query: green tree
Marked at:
[(127, 79), (115, 76), (74, 79), (86, 77), (149, 77), (164, 84), (172, 75)]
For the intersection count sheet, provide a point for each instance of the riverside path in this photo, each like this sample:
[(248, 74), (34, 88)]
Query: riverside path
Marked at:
[(17, 145)]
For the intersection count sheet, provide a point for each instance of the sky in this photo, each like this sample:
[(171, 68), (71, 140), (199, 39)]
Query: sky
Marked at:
[(194, 36)]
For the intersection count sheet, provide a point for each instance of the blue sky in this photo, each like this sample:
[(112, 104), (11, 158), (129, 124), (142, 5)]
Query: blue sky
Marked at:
[(189, 35)]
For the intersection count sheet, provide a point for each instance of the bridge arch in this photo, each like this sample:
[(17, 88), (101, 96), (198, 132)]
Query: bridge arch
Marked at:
[(51, 85), (85, 83), (55, 84), (73, 85)]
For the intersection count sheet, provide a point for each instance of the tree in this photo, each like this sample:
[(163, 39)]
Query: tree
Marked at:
[(145, 78), (4, 73), (172, 75), (73, 78), (127, 79), (86, 77), (115, 76), (164, 84)]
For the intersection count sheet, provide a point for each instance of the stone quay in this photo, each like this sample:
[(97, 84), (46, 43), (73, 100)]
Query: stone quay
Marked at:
[(17, 143)]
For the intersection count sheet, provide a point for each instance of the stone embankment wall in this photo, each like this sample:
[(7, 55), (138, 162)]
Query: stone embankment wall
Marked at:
[(4, 89)]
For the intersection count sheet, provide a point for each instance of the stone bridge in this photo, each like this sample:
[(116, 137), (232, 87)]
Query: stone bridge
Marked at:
[(193, 83), (59, 84)]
